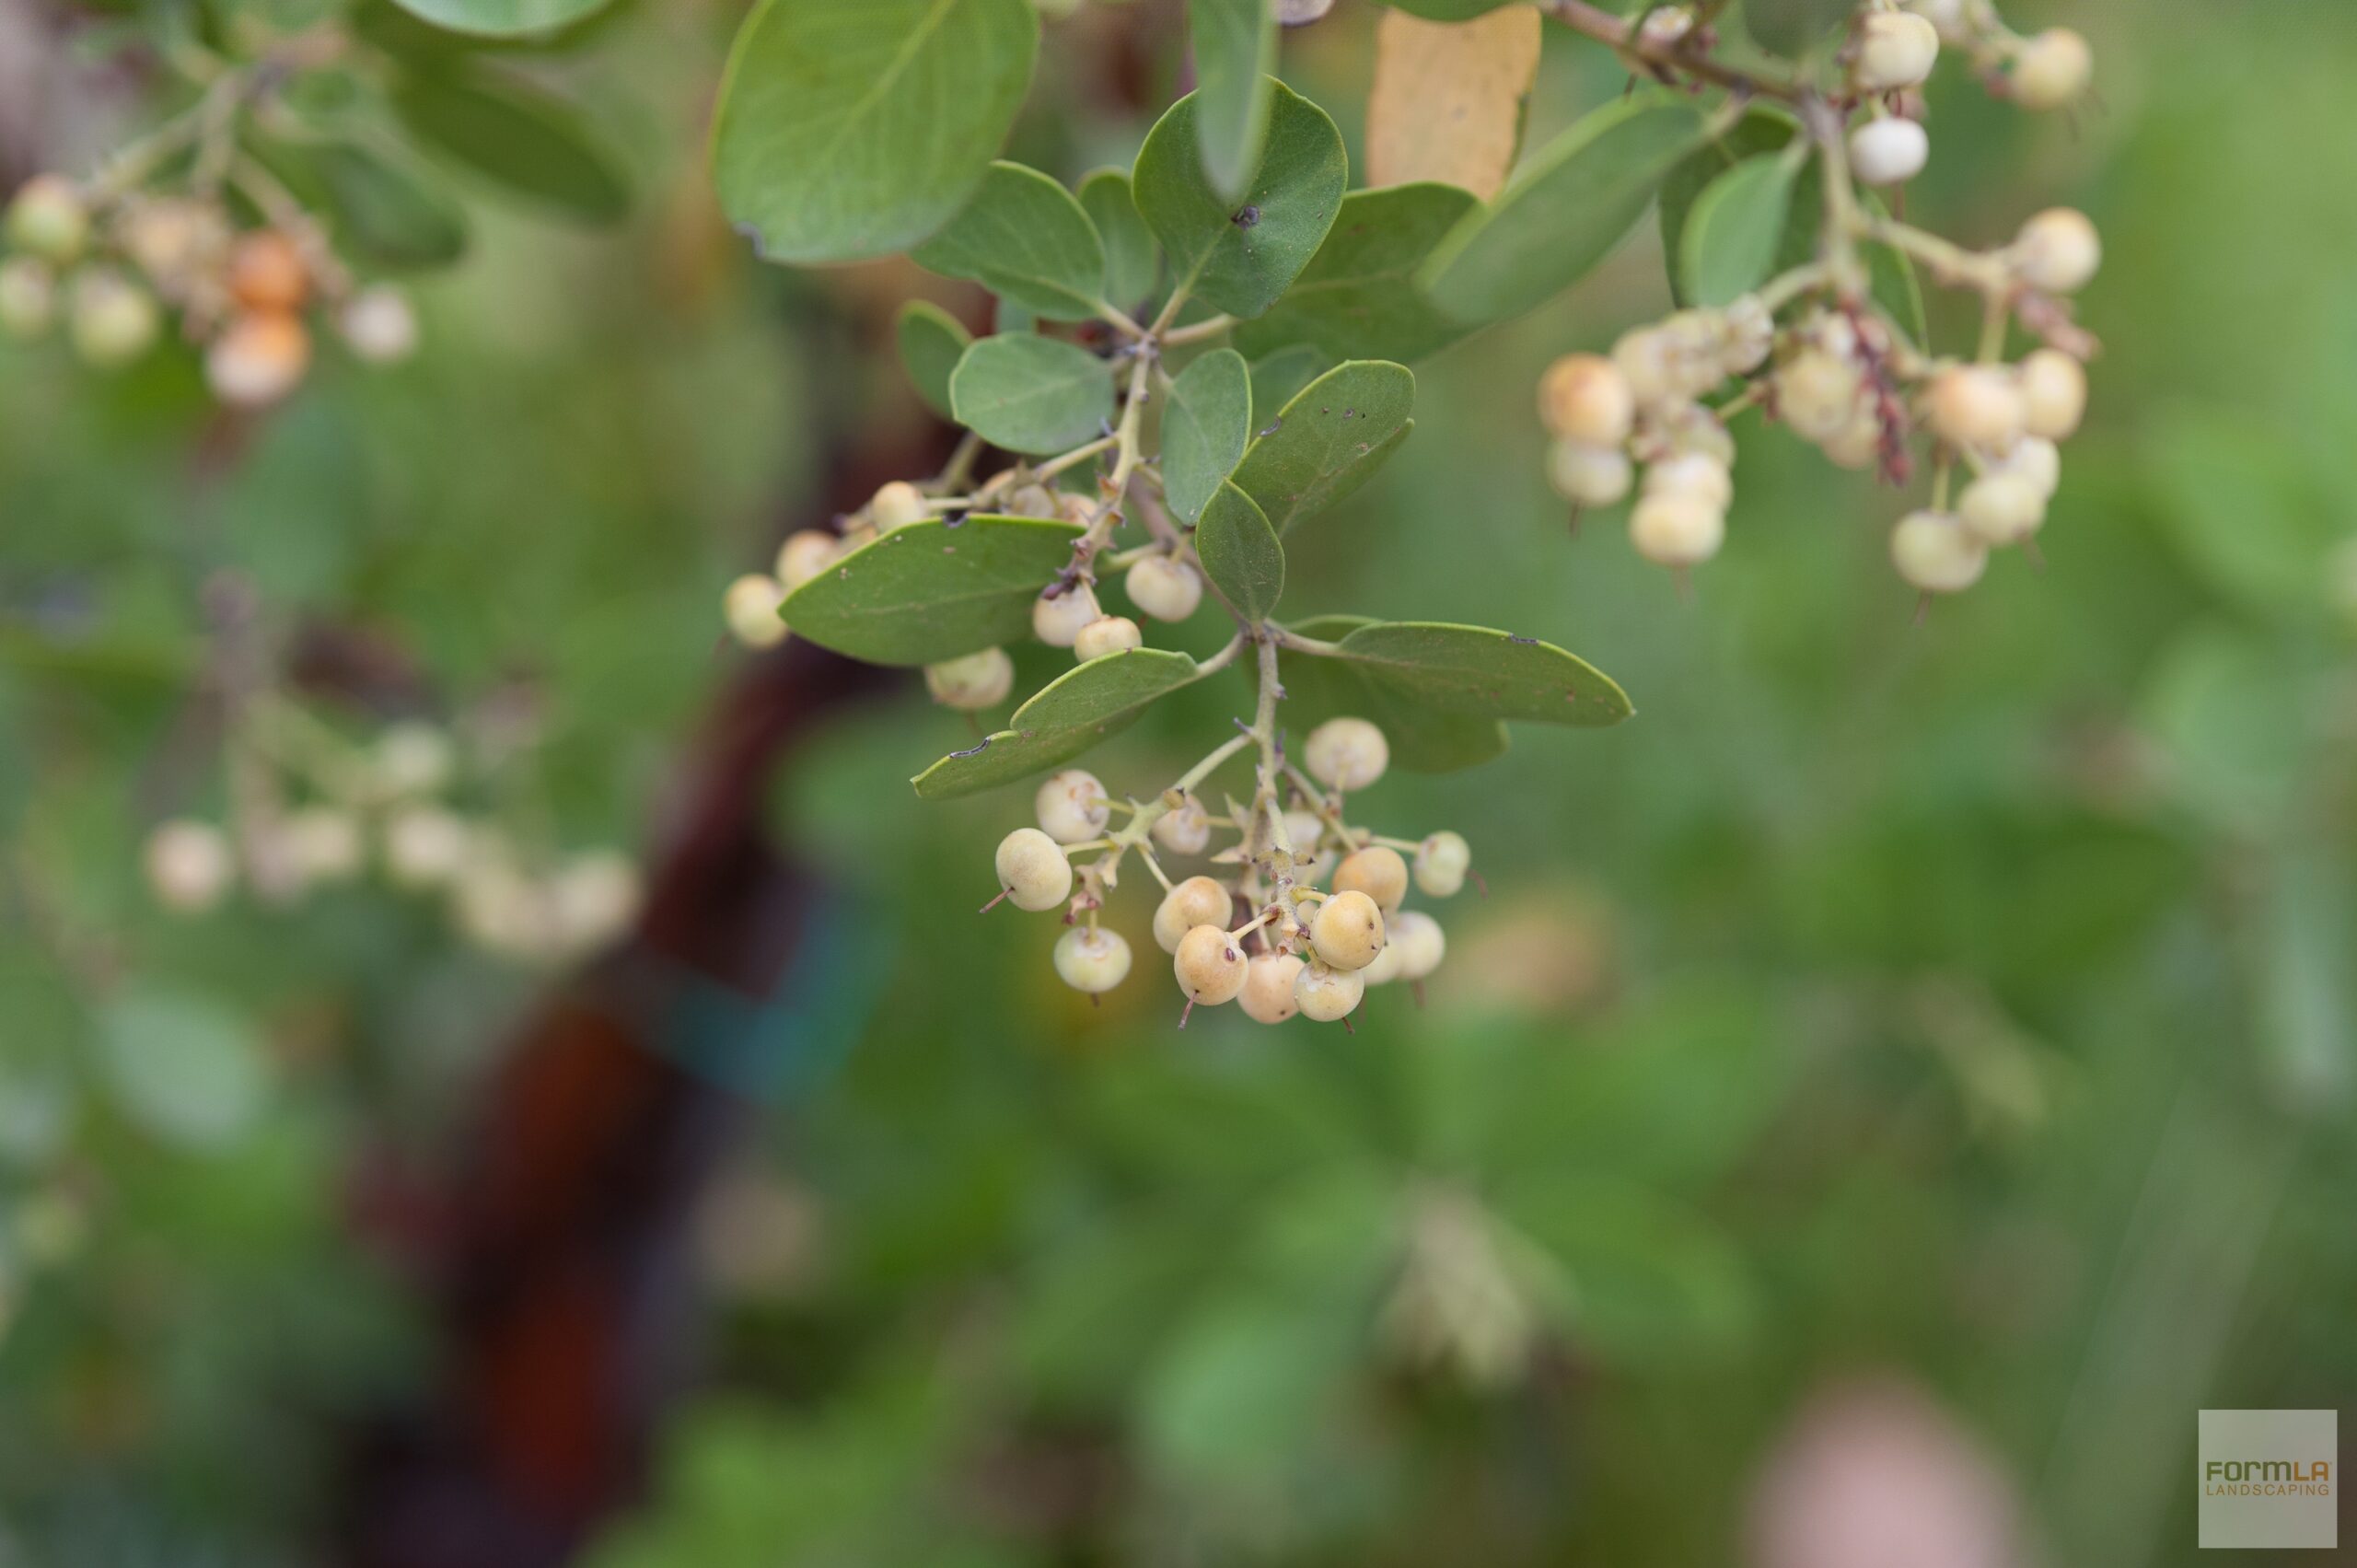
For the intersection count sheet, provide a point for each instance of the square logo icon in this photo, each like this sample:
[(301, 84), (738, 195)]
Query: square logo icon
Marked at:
[(2269, 1478)]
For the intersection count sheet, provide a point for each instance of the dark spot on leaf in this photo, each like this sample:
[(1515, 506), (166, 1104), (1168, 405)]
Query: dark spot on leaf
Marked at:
[(1246, 217)]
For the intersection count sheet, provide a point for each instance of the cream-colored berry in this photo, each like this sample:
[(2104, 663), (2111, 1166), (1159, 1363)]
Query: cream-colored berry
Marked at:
[(1107, 634), (1894, 50), (897, 506), (1677, 530), (1347, 931), (323, 843), (1164, 587), (1818, 394), (751, 608), (1325, 994), (1090, 958), (1346, 753), (1442, 862), (257, 358), (1975, 405), (1267, 996), (48, 218), (594, 898), (1185, 829), (2058, 251), (425, 846), (28, 296), (2000, 508), (1057, 618), (805, 553), (1586, 475), (1033, 871), (1696, 475), (1648, 363), (1378, 872), (2054, 393), (1584, 397), (189, 866), (974, 682), (2053, 69), (1889, 151), (379, 325), (1932, 553), (1859, 443), (2035, 460), (1197, 901), (1948, 16), (1419, 942), (1210, 965), (1031, 501), (114, 320), (1072, 807)]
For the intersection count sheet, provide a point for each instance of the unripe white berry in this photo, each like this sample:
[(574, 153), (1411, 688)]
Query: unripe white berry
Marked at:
[(1584, 397), (1347, 931), (1164, 587), (189, 866), (1385, 967), (1305, 831), (1677, 530), (28, 296), (379, 325), (2052, 70), (2000, 508), (804, 554), (2035, 460), (1210, 966), (323, 843), (1889, 151), (1346, 753), (1325, 994), (1664, 25), (425, 846), (1107, 634), (1267, 996), (1895, 49), (1442, 862), (1072, 807), (977, 680), (751, 608), (2058, 251), (2054, 393), (1419, 942), (1948, 16), (1932, 553), (1975, 405), (1031, 500), (1647, 361), (1691, 430), (594, 899), (1057, 618), (1818, 394), (1090, 958), (1586, 475), (897, 506), (1033, 870), (1197, 901), (1748, 333), (1378, 872), (413, 758), (1696, 475), (1185, 829), (1074, 507), (48, 218), (257, 358), (1859, 443), (114, 320), (502, 910)]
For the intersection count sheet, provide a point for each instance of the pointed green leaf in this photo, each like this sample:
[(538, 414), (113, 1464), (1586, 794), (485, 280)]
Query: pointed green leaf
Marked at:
[(512, 132), (933, 590), (1032, 394), (1736, 228), (1568, 206), (1086, 705), (1024, 237), (854, 128), (1240, 256), (932, 343), (1278, 378), (384, 210), (1131, 259), (1424, 740), (1240, 553), (1473, 670), (1358, 298), (1760, 133), (1205, 425), (1328, 441), (1234, 44), (501, 19)]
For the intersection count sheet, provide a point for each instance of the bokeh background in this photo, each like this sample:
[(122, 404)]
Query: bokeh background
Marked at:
[(1889, 1086)]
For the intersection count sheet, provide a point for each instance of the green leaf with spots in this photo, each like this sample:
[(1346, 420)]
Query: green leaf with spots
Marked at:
[(512, 132), (1032, 394), (501, 19), (1069, 715), (1239, 255), (1234, 44), (1132, 261), (1278, 378), (1024, 237), (1205, 423), (848, 129), (1569, 204), (1328, 441), (932, 343), (1424, 740), (1358, 298), (1736, 228), (1240, 553), (933, 590)]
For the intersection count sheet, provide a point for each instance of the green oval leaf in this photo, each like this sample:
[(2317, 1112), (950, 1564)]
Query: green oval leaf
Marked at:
[(531, 142), (1086, 705), (1328, 441), (933, 590), (854, 128), (1278, 378), (1132, 261), (1026, 239), (1476, 671), (181, 1066), (1570, 203), (1032, 394), (383, 209), (932, 343), (1234, 44), (1205, 425), (1737, 229), (1358, 298), (1425, 739), (1240, 256), (501, 19), (1240, 554)]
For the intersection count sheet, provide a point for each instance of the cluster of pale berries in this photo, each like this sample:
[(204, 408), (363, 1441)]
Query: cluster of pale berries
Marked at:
[(391, 811), (1270, 939), (111, 268)]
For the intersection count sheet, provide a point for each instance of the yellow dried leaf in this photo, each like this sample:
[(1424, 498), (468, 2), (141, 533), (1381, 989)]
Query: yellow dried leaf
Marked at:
[(1446, 104)]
